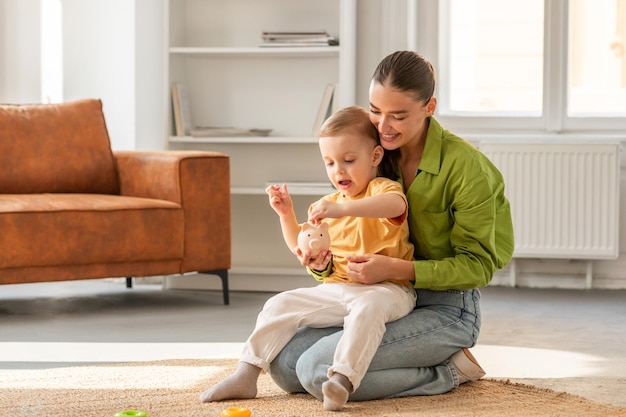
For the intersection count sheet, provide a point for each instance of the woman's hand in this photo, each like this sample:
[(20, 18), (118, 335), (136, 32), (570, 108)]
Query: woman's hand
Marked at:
[(372, 268), (318, 263)]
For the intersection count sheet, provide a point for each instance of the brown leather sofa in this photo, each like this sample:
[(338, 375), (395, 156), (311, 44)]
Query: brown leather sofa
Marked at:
[(71, 208)]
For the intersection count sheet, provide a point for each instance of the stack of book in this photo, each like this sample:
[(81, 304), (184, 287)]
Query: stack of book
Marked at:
[(316, 38)]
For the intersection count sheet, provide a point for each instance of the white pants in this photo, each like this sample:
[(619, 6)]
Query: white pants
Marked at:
[(362, 309)]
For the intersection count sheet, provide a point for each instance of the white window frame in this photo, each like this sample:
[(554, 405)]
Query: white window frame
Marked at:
[(51, 51), (432, 40)]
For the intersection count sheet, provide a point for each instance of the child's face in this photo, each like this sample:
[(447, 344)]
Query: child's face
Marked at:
[(351, 162)]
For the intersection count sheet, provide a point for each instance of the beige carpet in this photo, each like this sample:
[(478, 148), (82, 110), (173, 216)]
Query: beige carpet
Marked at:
[(171, 389)]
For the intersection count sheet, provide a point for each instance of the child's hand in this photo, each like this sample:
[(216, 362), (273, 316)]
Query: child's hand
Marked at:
[(318, 263), (279, 198), (324, 209)]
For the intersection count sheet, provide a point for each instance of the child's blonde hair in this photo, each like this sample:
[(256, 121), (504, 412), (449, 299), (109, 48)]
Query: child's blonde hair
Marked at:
[(354, 119)]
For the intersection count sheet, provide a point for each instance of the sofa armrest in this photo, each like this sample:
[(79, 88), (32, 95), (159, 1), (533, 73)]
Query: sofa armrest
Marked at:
[(198, 181)]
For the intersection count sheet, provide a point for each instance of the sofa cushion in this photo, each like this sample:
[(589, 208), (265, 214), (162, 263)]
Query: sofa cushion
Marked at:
[(56, 148), (83, 229)]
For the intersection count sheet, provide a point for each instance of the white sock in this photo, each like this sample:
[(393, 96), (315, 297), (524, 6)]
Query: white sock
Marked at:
[(240, 385), (336, 391)]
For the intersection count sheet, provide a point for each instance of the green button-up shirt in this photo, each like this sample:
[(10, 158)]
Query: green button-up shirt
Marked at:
[(459, 218)]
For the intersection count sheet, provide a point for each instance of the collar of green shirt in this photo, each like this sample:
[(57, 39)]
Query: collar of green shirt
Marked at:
[(431, 158)]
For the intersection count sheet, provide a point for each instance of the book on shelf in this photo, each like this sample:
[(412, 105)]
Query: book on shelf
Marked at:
[(180, 107), (325, 108), (271, 35), (286, 39)]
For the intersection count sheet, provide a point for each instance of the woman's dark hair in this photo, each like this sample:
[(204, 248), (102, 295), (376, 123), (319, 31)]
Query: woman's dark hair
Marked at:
[(409, 72)]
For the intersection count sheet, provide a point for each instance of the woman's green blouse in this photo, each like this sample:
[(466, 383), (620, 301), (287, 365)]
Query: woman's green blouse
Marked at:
[(459, 217)]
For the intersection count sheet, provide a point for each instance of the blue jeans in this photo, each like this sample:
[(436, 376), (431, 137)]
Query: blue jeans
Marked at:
[(413, 358)]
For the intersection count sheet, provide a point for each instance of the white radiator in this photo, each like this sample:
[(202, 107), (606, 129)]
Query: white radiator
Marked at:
[(564, 197)]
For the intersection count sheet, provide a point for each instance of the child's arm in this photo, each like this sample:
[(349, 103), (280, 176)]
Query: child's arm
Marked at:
[(280, 200), (384, 206)]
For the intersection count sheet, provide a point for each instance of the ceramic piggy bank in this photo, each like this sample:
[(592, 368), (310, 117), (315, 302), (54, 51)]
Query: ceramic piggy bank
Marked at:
[(314, 238)]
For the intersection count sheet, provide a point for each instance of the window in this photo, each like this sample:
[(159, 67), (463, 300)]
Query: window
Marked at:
[(495, 56), (51, 51), (597, 58), (533, 65)]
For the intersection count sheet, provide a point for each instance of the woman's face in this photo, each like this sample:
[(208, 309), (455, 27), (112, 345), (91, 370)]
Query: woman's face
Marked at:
[(399, 118)]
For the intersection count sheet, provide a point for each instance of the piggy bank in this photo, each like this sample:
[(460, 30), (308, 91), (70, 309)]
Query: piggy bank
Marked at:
[(314, 238)]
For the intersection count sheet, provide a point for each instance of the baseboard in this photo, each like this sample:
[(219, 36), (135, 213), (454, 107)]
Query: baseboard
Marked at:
[(239, 281), (282, 279)]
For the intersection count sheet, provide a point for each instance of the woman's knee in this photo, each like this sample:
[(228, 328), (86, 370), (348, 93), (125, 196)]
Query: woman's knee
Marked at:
[(283, 372), (312, 374), (283, 367), (312, 366)]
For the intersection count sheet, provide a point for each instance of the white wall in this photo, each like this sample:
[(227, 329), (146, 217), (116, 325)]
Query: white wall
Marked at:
[(381, 30), (19, 51), (112, 50), (99, 61), (150, 58)]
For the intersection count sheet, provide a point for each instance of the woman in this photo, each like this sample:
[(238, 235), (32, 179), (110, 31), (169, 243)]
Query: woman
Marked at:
[(460, 224)]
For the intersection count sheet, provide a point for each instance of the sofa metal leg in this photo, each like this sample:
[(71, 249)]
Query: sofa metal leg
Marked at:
[(129, 282), (223, 274)]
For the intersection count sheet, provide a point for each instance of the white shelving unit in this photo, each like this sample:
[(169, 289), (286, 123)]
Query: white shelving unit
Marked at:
[(213, 49)]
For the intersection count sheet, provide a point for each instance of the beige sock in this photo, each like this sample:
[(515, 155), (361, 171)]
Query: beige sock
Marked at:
[(240, 385), (336, 391)]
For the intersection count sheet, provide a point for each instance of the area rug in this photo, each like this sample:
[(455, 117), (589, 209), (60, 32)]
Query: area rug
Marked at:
[(171, 389)]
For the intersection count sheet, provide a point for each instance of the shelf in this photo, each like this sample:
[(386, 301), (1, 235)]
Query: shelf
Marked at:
[(263, 140), (293, 190), (257, 51), (233, 80)]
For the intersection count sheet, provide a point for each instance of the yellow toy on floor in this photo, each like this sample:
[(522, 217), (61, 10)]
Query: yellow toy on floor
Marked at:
[(236, 412)]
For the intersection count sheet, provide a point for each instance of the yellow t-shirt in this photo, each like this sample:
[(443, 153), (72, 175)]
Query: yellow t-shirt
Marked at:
[(361, 235)]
